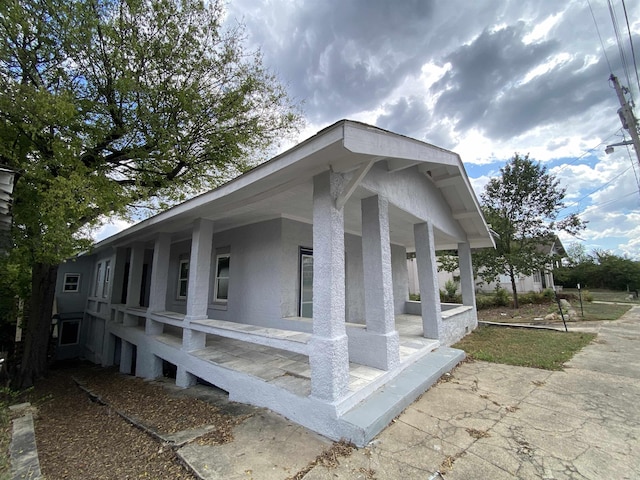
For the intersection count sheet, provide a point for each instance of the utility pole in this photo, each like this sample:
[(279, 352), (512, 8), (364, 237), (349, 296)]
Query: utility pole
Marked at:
[(627, 118)]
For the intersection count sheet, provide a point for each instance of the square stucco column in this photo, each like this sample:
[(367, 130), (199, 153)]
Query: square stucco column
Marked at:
[(329, 351), (199, 269), (134, 286), (378, 284), (159, 280), (428, 280), (198, 288), (466, 275), (118, 275)]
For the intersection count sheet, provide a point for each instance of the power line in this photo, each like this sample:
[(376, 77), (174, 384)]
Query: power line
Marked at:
[(565, 165), (633, 52), (623, 58), (604, 51)]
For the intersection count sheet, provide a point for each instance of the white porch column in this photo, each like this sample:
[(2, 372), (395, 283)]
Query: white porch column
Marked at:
[(118, 275), (197, 293), (467, 284), (199, 269), (159, 280), (428, 280), (134, 286), (378, 284), (126, 357), (329, 351)]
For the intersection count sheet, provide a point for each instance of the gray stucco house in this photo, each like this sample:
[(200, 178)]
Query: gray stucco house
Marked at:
[(288, 286)]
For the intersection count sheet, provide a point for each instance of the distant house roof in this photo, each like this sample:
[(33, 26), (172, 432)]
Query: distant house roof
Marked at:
[(283, 185)]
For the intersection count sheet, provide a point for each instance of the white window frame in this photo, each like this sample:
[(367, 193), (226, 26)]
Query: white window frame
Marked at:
[(107, 278), (219, 257), (66, 283), (96, 287), (181, 279), (304, 252)]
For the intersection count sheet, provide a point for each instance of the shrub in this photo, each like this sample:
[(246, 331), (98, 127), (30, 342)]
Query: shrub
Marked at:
[(587, 296), (501, 297), (536, 298), (414, 297), (485, 301)]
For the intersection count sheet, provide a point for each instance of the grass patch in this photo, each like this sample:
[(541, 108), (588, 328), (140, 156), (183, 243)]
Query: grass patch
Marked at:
[(601, 311), (544, 349)]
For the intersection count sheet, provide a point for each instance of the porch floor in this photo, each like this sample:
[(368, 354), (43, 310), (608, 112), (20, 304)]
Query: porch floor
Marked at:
[(290, 370)]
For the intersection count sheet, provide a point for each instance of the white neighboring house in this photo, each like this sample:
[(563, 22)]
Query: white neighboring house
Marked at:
[(537, 282), (6, 191), (288, 286)]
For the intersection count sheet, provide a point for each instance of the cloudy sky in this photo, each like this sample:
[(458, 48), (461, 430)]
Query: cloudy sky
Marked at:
[(484, 78)]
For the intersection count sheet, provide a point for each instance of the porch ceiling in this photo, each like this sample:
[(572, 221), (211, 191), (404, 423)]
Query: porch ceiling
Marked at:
[(283, 187)]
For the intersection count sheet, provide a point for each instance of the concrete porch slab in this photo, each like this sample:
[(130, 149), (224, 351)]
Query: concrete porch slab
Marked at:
[(371, 416)]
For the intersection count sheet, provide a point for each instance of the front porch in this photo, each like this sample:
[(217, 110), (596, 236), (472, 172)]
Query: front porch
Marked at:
[(270, 367)]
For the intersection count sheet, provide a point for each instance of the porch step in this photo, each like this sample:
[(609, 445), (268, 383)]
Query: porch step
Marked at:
[(373, 414)]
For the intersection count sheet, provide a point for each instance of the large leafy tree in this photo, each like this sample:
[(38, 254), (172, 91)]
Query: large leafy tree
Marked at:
[(522, 206), (109, 104)]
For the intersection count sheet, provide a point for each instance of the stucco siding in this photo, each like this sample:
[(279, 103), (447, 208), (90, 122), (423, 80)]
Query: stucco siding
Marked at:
[(412, 192)]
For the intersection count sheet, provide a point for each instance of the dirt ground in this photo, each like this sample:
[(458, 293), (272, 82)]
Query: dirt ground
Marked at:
[(79, 437), (524, 314)]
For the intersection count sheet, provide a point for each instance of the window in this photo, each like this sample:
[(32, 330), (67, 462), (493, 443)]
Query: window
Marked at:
[(71, 282), (183, 279), (221, 285), (107, 275), (70, 332), (306, 283), (96, 287)]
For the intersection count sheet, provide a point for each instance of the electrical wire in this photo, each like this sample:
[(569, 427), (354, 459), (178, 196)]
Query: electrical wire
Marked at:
[(623, 58), (604, 50), (565, 165), (633, 52)]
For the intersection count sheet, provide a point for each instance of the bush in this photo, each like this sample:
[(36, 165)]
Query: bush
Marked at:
[(535, 298), (414, 297), (587, 296), (502, 298), (449, 294), (485, 301)]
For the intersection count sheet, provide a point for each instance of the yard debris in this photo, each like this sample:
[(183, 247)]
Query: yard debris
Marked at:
[(477, 434), (328, 458)]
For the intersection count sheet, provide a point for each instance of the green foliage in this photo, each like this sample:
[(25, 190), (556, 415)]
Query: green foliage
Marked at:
[(522, 207), (599, 269), (501, 297), (535, 298), (587, 296), (544, 349), (111, 105), (414, 297), (450, 292)]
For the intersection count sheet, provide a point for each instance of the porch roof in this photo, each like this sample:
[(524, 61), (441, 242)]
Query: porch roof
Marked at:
[(282, 187)]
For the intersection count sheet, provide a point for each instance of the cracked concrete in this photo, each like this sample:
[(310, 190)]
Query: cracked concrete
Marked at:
[(503, 422)]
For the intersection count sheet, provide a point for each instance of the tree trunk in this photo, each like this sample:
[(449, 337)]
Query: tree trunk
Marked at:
[(37, 331), (514, 288)]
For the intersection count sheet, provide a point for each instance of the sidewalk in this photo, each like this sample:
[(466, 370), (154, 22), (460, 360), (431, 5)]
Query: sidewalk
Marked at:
[(501, 422)]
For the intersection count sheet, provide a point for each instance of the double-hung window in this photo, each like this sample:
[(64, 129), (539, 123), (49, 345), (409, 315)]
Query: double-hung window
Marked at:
[(71, 282), (221, 284), (183, 279)]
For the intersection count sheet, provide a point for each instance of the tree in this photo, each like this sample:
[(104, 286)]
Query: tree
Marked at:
[(522, 207), (106, 105)]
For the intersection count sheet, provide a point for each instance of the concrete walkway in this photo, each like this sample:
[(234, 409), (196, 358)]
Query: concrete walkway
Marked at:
[(497, 422)]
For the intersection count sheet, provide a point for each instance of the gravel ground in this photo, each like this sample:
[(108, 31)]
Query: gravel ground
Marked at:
[(79, 438)]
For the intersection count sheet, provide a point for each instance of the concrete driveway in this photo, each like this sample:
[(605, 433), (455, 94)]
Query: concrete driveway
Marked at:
[(483, 421), (496, 422)]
